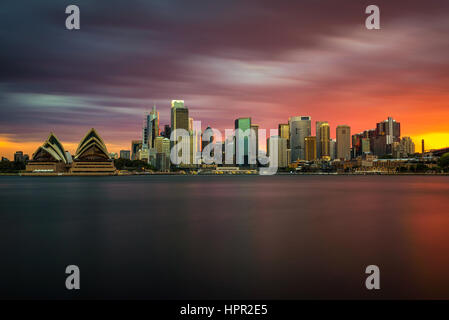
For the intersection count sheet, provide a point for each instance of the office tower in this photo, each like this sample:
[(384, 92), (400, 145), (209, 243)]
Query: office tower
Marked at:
[(162, 162), (300, 128), (125, 154), (136, 145), (284, 132), (366, 146), (150, 128), (18, 156), (255, 130), (158, 144), (206, 141), (282, 161), (343, 142), (179, 115), (318, 124), (387, 132), (310, 148), (208, 138), (408, 146), (180, 120), (403, 149), (323, 141), (333, 149), (242, 140), (422, 146), (167, 131)]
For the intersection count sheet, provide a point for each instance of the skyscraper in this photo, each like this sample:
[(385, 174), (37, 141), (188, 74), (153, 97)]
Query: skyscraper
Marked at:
[(387, 132), (206, 141), (344, 142), (179, 116), (180, 120), (255, 130), (150, 128), (333, 149), (310, 148), (318, 137), (242, 143), (282, 161), (300, 128), (323, 140), (284, 132), (136, 145)]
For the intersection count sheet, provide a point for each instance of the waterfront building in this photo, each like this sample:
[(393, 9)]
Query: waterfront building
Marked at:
[(18, 156), (284, 132), (343, 142), (332, 149), (179, 116), (386, 133), (300, 128), (242, 141), (136, 145), (162, 162), (255, 131), (125, 154), (282, 161), (310, 148), (318, 138), (49, 158), (323, 140), (92, 157)]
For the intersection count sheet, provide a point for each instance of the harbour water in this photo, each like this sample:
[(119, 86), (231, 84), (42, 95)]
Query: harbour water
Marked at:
[(226, 237)]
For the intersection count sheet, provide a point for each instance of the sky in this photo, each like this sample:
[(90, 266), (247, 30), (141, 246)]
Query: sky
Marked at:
[(268, 60)]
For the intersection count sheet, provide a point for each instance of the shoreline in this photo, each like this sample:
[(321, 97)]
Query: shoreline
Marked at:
[(221, 175)]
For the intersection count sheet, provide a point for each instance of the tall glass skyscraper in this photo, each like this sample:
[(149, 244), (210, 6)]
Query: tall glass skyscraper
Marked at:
[(150, 128), (179, 115), (300, 128), (323, 141), (242, 142)]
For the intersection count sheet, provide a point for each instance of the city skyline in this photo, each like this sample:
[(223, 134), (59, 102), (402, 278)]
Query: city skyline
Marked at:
[(140, 133), (226, 62)]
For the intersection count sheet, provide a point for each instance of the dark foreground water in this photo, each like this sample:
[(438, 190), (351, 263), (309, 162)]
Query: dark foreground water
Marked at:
[(187, 237)]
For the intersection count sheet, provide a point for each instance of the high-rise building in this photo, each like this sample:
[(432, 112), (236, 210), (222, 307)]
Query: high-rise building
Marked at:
[(206, 141), (242, 143), (310, 148), (333, 149), (323, 140), (300, 128), (18, 156), (125, 154), (344, 142), (179, 115), (366, 149), (387, 132), (284, 132), (136, 145), (282, 161), (150, 128), (180, 120), (318, 138), (255, 130), (403, 149), (167, 131), (422, 146)]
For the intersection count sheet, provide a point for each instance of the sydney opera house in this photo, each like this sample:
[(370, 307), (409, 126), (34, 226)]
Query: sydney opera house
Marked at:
[(91, 158)]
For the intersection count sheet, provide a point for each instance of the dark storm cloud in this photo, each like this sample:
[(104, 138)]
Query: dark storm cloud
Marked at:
[(225, 58)]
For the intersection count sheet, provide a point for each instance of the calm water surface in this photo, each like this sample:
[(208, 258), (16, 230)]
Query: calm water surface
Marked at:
[(187, 237)]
